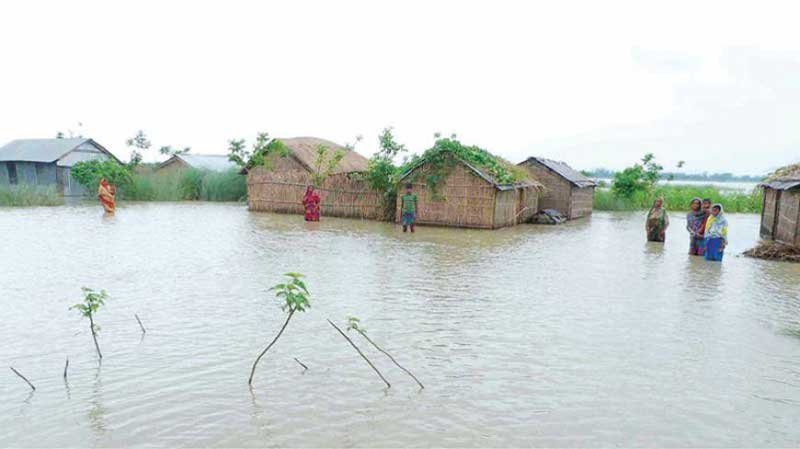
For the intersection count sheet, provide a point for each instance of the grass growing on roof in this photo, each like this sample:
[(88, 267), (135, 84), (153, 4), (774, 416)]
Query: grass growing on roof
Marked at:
[(447, 151)]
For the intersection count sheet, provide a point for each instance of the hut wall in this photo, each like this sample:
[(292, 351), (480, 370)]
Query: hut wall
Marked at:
[(788, 219), (557, 190), (515, 206), (275, 190), (3, 174), (176, 166), (769, 213), (464, 199), (582, 201)]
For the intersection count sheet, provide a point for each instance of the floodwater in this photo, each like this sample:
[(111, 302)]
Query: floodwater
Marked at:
[(577, 335)]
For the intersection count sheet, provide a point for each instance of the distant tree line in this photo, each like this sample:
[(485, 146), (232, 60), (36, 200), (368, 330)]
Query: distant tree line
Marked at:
[(604, 173)]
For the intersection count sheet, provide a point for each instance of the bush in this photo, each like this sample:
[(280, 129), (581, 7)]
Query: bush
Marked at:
[(89, 173)]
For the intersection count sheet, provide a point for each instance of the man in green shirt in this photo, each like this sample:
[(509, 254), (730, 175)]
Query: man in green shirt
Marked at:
[(408, 209)]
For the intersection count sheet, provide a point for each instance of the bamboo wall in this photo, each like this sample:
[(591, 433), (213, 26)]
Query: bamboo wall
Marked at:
[(515, 206), (769, 213), (581, 202), (281, 189), (786, 230), (463, 199)]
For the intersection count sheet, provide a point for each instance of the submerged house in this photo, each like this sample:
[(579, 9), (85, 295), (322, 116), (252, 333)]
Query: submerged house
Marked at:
[(47, 162), (211, 162), (468, 196), (280, 183), (780, 215), (565, 189)]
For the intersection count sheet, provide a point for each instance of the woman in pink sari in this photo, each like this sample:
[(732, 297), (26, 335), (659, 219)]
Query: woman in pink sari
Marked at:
[(106, 193), (311, 204)]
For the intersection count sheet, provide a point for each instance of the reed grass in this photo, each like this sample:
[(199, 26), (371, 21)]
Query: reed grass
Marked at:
[(190, 184), (678, 197), (27, 196)]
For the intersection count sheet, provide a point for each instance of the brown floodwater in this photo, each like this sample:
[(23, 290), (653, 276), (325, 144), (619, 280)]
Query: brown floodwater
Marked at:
[(577, 335)]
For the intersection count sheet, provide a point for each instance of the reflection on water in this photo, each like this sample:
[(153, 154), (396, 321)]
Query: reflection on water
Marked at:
[(575, 335)]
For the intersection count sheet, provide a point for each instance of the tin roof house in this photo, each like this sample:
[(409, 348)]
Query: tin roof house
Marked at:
[(48, 162), (780, 215)]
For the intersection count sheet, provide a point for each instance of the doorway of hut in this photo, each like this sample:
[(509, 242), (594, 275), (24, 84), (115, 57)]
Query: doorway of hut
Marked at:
[(520, 206)]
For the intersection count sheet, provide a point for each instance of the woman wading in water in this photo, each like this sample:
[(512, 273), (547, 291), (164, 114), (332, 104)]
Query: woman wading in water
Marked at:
[(696, 225), (311, 204), (657, 222), (716, 234)]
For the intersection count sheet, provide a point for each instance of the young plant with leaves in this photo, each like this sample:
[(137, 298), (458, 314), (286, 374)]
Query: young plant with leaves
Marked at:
[(382, 173), (325, 163), (358, 350), (353, 323), (294, 295), (92, 301)]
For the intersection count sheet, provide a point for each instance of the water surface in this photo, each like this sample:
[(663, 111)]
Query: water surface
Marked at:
[(578, 335)]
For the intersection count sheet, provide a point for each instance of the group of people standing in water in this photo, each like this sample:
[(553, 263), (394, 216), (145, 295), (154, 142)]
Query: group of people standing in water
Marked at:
[(706, 224)]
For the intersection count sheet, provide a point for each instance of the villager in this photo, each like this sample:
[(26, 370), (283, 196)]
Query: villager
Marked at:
[(716, 234), (106, 193), (657, 222), (695, 224), (408, 209), (311, 203)]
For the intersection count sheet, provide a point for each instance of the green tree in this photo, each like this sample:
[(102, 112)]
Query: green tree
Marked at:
[(89, 173), (294, 295), (139, 143), (382, 173), (637, 178), (92, 301)]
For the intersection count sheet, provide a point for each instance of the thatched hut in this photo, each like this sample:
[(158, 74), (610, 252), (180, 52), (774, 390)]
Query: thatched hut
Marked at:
[(279, 184), (467, 195), (565, 189), (780, 215)]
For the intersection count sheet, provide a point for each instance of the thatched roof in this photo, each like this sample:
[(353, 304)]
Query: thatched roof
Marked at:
[(784, 178), (212, 162), (527, 180), (304, 149)]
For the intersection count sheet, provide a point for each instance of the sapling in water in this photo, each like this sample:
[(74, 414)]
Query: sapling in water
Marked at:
[(295, 299), (369, 362), (92, 301), (353, 323)]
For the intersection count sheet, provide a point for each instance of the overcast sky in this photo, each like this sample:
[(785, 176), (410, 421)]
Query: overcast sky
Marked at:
[(596, 84)]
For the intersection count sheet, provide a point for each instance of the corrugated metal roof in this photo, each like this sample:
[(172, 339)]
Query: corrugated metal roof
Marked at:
[(565, 171), (305, 150), (38, 150), (213, 162), (781, 185)]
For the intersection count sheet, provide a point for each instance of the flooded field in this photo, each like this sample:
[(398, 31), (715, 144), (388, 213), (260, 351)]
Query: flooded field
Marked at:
[(579, 335)]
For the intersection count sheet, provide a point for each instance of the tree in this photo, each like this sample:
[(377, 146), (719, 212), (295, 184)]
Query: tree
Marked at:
[(89, 173), (382, 173), (294, 294), (139, 143), (637, 178), (325, 163), (167, 150), (88, 308)]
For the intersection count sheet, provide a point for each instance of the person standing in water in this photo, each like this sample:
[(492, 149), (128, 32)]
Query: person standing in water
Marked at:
[(311, 204), (106, 194), (695, 224), (716, 234), (408, 209), (657, 222)]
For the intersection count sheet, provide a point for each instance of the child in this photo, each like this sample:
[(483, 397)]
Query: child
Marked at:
[(716, 234), (408, 209)]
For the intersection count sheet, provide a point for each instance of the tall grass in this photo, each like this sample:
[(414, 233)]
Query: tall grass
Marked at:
[(189, 184), (678, 197), (27, 195)]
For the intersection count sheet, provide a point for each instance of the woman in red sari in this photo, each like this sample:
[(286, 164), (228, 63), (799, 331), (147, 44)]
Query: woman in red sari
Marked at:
[(311, 204), (106, 192)]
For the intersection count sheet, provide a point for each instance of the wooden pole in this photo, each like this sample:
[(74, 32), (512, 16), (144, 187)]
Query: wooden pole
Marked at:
[(363, 334), (388, 385), (66, 366), (301, 364), (144, 331), (23, 378)]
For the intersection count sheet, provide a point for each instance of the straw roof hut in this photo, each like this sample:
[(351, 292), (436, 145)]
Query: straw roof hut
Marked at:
[(565, 189), (468, 196), (280, 184), (780, 215), (210, 162)]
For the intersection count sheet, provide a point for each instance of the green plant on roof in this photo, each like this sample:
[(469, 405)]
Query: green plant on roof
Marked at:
[(92, 301), (294, 296), (259, 156), (445, 154)]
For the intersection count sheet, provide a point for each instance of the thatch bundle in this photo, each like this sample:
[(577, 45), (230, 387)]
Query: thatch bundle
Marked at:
[(788, 173), (771, 250)]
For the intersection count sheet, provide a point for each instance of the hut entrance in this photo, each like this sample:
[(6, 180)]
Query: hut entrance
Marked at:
[(771, 212)]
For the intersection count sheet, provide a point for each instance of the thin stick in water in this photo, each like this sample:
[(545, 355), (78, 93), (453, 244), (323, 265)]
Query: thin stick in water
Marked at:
[(144, 331), (66, 366), (23, 378), (388, 385), (363, 334), (301, 364)]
